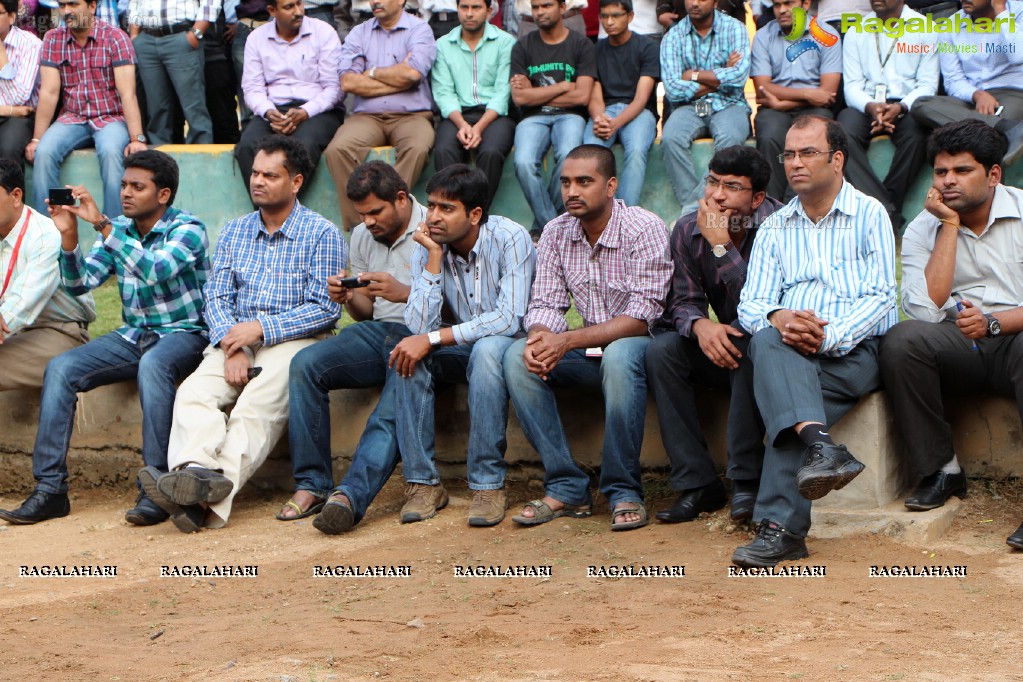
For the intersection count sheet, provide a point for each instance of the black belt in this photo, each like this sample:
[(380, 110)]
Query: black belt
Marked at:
[(366, 15), (444, 16), (173, 29)]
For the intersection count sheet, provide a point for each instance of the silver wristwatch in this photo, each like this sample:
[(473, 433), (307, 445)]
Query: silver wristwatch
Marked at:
[(434, 338), (719, 250)]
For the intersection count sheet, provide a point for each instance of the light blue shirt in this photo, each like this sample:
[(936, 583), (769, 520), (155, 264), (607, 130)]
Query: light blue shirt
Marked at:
[(683, 49), (488, 293), (965, 72), (842, 268)]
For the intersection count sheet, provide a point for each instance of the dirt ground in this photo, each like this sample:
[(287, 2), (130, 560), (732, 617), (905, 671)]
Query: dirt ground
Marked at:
[(286, 624)]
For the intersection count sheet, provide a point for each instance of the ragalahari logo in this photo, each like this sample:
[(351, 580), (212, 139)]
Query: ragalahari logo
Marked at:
[(819, 35)]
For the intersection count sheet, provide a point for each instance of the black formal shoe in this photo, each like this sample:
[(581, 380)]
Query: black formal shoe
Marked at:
[(195, 485), (744, 498), (186, 518), (828, 467), (935, 490), (772, 544), (145, 512), (39, 506), (1016, 539), (690, 503)]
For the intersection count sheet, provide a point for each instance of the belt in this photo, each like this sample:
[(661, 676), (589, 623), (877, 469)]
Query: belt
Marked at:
[(444, 16), (252, 23), (365, 15), (173, 29), (568, 15)]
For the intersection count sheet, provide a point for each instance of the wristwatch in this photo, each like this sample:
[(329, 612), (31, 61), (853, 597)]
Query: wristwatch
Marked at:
[(106, 221), (434, 338), (140, 138), (197, 33), (694, 76), (994, 327), (719, 250), (372, 73)]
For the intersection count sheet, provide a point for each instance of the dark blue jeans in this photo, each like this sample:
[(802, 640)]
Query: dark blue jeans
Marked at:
[(158, 364), (356, 358)]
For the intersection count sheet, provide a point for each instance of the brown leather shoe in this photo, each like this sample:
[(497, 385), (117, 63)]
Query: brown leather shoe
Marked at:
[(487, 508), (424, 501)]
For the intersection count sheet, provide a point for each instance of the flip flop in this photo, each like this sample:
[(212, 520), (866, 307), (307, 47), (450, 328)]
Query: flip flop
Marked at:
[(542, 513), (622, 510), (299, 513), (337, 516)]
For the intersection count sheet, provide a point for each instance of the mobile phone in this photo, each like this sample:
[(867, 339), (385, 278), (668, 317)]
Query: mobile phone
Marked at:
[(61, 196), (353, 282), (254, 372), (998, 111)]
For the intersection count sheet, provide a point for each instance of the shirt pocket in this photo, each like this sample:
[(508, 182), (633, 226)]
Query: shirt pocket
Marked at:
[(618, 293)]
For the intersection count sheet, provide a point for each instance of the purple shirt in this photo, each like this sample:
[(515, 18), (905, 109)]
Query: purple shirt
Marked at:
[(626, 273), (305, 70), (369, 45)]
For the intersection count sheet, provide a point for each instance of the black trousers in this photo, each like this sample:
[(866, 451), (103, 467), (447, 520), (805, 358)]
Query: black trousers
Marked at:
[(910, 140), (919, 359), (442, 27), (15, 133), (675, 365), (772, 126), (490, 155), (316, 133)]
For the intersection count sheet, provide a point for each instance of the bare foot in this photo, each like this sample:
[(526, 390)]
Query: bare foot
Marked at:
[(529, 512), (304, 499)]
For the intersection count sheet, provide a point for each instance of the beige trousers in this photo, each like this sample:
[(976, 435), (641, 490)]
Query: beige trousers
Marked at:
[(411, 135), (23, 356), (202, 434)]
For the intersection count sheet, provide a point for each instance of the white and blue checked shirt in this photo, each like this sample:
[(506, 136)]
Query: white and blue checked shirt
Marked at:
[(842, 268), (683, 49), (279, 279), (488, 293)]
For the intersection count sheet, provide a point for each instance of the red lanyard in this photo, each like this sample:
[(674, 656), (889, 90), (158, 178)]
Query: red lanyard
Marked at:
[(14, 256)]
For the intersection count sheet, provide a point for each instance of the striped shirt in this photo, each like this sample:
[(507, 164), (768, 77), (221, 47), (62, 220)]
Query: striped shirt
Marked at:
[(87, 73), (19, 78), (34, 293), (627, 272), (996, 59), (842, 268), (683, 49), (488, 293), (159, 275), (279, 279), (162, 13)]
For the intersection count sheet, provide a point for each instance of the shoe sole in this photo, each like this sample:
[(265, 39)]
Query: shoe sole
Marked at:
[(414, 517), (742, 561), (148, 477), (744, 515), (916, 506), (484, 522), (335, 519), (185, 488), (1014, 545), (816, 486), (140, 519), (19, 521)]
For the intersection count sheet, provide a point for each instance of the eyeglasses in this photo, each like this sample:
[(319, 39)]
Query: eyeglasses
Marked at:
[(612, 15), (714, 183), (804, 154)]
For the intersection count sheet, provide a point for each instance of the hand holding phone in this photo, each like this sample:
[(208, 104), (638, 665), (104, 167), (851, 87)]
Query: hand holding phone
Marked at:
[(353, 282), (61, 196)]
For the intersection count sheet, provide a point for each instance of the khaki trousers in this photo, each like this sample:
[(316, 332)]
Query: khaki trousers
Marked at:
[(411, 135), (202, 434), (23, 356)]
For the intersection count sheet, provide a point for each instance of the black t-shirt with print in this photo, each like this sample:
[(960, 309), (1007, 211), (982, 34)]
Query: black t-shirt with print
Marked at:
[(545, 65)]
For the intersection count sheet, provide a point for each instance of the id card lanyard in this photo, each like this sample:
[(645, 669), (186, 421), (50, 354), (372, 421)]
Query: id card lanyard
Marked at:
[(14, 255), (475, 306)]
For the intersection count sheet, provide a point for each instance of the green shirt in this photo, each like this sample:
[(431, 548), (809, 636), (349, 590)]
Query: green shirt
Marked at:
[(489, 64)]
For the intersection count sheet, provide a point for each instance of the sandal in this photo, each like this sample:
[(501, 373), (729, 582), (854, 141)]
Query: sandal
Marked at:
[(542, 513), (622, 510), (337, 516), (300, 513)]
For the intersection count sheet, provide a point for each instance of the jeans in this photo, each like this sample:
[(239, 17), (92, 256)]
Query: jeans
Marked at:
[(60, 139), (158, 364), (481, 366), (356, 358), (637, 136), (534, 135), (621, 375), (729, 127)]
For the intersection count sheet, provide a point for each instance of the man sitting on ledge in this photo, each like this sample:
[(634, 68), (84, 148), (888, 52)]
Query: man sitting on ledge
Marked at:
[(962, 287), (158, 254)]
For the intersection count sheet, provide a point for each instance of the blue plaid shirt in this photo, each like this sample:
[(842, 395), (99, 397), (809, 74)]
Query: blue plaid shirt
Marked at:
[(159, 276), (279, 279), (682, 48)]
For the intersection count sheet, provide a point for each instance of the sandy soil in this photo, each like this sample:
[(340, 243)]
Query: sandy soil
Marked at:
[(286, 624)]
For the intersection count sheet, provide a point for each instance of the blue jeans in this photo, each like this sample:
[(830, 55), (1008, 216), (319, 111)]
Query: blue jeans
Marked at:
[(480, 365), (621, 375), (728, 127), (534, 135), (158, 364), (356, 358), (637, 136), (60, 139)]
